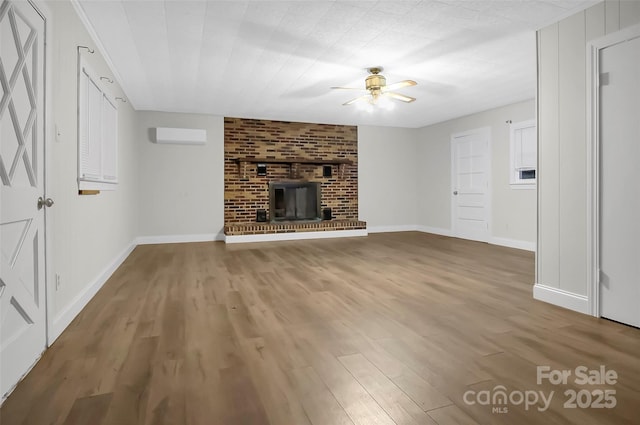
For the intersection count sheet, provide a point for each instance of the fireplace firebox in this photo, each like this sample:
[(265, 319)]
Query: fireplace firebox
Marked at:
[(294, 201)]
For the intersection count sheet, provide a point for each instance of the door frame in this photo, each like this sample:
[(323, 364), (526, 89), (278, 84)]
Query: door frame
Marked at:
[(49, 136), (593, 158), (486, 132)]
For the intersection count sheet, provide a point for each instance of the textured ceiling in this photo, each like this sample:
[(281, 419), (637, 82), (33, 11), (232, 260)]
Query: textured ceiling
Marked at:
[(278, 60)]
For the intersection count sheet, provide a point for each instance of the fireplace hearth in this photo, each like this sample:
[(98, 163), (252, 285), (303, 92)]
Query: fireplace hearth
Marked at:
[(294, 201)]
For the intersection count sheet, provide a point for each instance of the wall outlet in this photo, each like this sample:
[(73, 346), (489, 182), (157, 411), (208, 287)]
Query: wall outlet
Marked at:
[(58, 281)]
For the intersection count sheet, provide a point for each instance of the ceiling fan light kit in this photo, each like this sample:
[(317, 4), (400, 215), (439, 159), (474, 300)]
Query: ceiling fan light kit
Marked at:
[(376, 85)]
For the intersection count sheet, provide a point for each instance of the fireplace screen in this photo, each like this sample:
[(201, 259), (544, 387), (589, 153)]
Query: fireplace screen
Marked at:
[(294, 201)]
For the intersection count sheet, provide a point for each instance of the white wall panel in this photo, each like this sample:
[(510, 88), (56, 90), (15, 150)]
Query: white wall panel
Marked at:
[(548, 161), (562, 108), (572, 154), (612, 16), (595, 21), (629, 12)]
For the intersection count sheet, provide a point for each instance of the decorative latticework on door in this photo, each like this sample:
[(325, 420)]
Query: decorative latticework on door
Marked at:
[(22, 265)]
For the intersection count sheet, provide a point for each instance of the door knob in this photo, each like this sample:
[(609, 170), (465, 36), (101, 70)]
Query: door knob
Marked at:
[(44, 202), (455, 192)]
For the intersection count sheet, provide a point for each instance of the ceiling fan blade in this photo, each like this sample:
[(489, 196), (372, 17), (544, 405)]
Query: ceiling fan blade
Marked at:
[(399, 96), (347, 88), (399, 85), (357, 99)]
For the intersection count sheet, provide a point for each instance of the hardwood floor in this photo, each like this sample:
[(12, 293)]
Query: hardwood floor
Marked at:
[(388, 329)]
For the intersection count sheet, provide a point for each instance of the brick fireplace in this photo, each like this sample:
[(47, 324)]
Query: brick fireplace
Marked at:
[(261, 154)]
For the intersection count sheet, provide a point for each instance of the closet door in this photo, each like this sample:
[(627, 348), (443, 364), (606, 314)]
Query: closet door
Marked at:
[(620, 182)]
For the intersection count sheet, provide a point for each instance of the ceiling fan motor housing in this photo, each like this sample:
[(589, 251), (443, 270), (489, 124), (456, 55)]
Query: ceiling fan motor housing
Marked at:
[(375, 82)]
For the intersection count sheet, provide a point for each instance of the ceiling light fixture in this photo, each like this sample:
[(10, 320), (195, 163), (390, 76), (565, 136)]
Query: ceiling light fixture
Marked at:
[(376, 85)]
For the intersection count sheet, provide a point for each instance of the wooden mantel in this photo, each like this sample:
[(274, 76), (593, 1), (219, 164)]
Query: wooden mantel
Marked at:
[(293, 161), (242, 169)]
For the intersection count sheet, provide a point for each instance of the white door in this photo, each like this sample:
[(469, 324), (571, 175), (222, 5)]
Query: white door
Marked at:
[(620, 182), (22, 262), (470, 200)]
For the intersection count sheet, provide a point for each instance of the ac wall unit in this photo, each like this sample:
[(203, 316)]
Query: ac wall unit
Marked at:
[(181, 136)]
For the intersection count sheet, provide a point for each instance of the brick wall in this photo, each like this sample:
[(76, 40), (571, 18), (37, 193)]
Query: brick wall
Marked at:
[(245, 191)]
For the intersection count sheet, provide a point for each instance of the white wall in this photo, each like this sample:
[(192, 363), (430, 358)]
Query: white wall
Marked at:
[(90, 233), (181, 187), (387, 178), (513, 211), (562, 121)]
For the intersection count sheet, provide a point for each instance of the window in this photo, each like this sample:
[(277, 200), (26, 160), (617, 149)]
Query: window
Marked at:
[(97, 133), (523, 165)]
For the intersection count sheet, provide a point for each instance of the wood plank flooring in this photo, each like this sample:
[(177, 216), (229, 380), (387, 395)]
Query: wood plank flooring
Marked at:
[(388, 329)]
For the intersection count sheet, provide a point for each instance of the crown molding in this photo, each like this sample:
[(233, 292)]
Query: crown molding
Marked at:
[(100, 47)]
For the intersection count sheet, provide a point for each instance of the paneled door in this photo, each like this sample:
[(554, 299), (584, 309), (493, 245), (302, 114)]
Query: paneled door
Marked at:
[(619, 184), (22, 221), (470, 171)]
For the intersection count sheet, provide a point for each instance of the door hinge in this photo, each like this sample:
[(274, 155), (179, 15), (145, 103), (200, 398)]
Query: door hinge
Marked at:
[(604, 79)]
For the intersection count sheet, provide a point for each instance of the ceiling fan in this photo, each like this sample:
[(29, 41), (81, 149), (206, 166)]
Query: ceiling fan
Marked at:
[(376, 85)]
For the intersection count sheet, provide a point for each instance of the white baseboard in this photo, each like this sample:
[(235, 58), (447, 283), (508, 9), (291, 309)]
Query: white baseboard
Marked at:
[(68, 313), (555, 296), (513, 243), (434, 230), (387, 229), (294, 236), (205, 237)]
